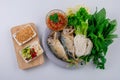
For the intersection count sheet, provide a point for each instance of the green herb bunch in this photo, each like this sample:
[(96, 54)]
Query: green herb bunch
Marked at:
[(99, 29)]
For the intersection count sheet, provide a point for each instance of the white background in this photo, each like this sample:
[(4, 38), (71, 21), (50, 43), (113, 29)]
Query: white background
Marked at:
[(15, 12)]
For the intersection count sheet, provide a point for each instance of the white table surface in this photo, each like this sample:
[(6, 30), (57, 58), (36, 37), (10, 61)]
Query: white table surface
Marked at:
[(15, 12)]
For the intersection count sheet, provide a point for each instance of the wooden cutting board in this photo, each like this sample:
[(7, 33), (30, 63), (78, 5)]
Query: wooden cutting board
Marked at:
[(22, 64)]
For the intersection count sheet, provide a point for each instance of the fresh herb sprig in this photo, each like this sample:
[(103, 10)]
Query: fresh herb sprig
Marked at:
[(54, 17)]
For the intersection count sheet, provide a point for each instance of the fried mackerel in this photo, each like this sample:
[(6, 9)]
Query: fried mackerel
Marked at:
[(56, 46)]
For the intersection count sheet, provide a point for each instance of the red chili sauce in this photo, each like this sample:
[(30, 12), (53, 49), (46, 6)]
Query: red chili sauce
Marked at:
[(62, 22)]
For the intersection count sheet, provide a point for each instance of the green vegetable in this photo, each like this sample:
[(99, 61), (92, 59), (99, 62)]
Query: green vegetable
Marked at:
[(54, 17), (26, 53), (79, 21), (100, 31)]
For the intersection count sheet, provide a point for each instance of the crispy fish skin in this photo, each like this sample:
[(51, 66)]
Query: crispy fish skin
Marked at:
[(67, 40), (56, 46)]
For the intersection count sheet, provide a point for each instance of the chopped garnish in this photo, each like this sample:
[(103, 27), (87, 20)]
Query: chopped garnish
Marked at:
[(54, 17)]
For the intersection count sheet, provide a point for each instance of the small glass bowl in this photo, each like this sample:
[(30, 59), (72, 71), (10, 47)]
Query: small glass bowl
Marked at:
[(59, 12)]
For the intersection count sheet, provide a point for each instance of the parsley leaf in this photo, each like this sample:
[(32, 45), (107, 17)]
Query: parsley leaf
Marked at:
[(54, 17)]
